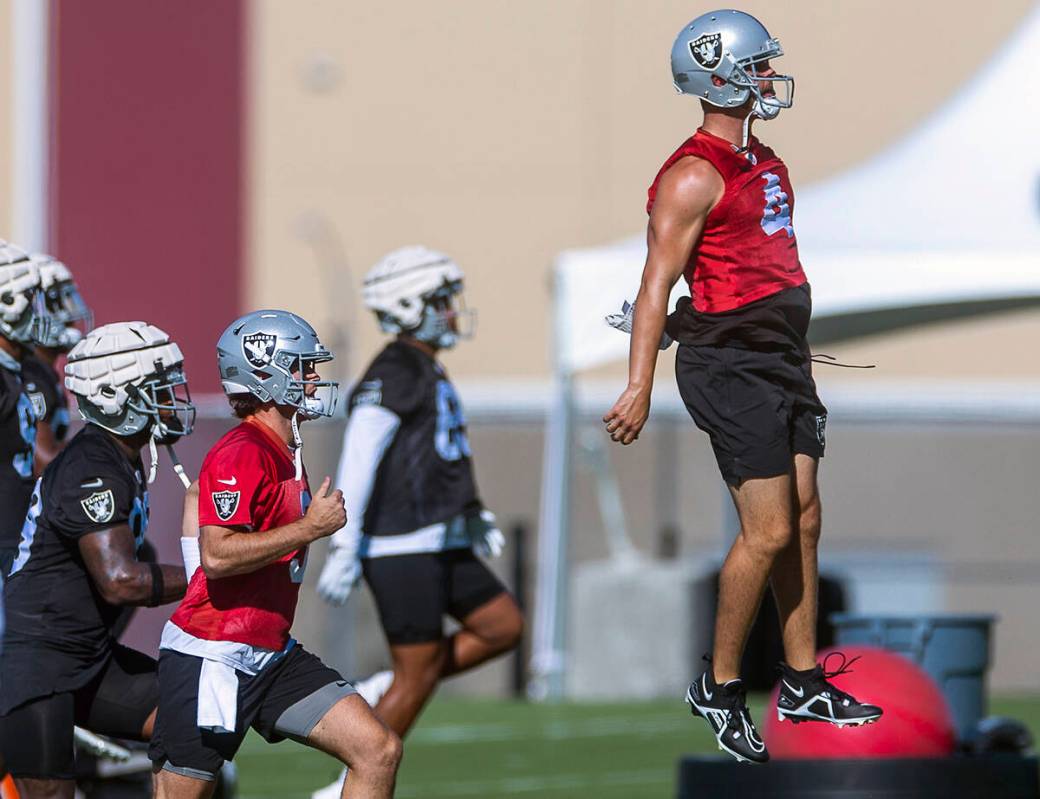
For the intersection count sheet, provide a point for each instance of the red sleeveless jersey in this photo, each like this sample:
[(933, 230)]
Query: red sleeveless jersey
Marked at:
[(747, 249), (248, 481)]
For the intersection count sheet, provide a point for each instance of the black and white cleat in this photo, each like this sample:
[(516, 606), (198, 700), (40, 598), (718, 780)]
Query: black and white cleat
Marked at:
[(724, 707), (809, 696)]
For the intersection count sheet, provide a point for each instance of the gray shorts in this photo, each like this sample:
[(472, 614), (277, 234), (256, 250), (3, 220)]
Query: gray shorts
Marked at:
[(285, 700)]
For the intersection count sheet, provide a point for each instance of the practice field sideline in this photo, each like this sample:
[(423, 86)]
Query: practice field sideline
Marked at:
[(492, 749)]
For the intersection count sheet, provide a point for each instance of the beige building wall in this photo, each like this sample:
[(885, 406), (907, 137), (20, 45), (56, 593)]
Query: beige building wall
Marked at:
[(503, 132)]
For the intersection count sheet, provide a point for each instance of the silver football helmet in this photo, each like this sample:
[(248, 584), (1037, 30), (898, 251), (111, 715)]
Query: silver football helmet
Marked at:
[(269, 354), (68, 316), (21, 309), (716, 56), (418, 291)]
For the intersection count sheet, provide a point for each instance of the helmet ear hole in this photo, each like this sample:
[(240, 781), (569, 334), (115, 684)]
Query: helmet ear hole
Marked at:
[(717, 81), (106, 391)]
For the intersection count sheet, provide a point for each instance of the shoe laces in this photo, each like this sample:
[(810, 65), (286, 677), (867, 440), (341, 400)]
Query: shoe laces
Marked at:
[(826, 674)]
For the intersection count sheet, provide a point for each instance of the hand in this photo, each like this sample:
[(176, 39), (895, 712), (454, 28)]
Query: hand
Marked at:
[(339, 575), (483, 532), (327, 512), (626, 419)]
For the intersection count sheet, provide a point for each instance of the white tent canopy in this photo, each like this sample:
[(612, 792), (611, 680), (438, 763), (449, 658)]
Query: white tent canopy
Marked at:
[(950, 214)]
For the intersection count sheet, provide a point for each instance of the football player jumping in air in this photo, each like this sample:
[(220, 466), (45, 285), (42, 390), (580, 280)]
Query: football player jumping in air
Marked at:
[(20, 319), (76, 564), (721, 212), (68, 319), (227, 661), (416, 520)]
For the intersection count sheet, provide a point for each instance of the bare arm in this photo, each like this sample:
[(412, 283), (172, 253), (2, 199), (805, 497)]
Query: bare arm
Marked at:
[(228, 551), (686, 194), (123, 580)]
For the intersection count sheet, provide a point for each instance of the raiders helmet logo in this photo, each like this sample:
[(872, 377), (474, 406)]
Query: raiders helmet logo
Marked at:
[(226, 503), (39, 403), (259, 348), (707, 50), (100, 506)]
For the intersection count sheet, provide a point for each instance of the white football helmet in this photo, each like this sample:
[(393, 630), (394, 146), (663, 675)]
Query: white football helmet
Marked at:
[(418, 291), (21, 316), (128, 377), (68, 316), (715, 58)]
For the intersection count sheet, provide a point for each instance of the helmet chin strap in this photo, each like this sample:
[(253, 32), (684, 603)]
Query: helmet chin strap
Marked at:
[(297, 445), (153, 458)]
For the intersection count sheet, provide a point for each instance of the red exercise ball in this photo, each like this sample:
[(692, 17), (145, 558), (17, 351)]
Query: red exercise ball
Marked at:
[(916, 720)]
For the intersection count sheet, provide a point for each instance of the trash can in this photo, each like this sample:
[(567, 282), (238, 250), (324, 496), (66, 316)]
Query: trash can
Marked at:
[(954, 650)]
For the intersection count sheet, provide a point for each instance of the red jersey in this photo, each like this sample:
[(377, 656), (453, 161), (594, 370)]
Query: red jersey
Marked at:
[(248, 481), (747, 249)]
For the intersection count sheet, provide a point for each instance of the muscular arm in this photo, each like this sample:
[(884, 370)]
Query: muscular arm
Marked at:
[(227, 551), (120, 577), (685, 196)]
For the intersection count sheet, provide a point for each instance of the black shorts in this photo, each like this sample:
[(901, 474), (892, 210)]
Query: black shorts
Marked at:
[(415, 592), (36, 736), (759, 408), (285, 700)]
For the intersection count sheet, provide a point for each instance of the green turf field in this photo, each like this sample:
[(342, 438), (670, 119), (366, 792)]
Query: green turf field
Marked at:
[(499, 749)]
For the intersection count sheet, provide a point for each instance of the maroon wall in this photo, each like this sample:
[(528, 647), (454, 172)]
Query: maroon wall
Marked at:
[(147, 163)]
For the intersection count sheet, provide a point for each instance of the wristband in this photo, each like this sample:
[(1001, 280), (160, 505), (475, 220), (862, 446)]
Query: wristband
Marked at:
[(158, 585)]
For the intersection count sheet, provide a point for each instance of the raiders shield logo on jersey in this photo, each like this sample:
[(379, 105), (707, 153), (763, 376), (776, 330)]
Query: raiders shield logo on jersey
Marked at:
[(707, 50), (100, 506), (225, 503), (39, 403), (259, 348)]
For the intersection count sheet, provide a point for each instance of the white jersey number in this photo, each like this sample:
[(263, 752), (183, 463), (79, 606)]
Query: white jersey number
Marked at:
[(777, 213)]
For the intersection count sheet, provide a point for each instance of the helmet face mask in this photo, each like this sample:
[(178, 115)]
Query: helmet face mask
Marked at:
[(166, 399), (69, 317)]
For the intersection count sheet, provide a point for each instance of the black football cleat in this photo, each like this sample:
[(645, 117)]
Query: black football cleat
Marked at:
[(810, 697), (724, 707)]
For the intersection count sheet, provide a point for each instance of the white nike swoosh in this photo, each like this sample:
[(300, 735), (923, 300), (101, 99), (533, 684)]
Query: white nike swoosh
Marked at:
[(92, 484), (799, 692), (230, 482), (704, 687)]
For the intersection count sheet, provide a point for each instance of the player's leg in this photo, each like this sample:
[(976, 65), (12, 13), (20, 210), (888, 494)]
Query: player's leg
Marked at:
[(417, 670), (307, 701), (492, 624), (764, 507), (36, 739), (795, 574), (186, 760), (351, 732)]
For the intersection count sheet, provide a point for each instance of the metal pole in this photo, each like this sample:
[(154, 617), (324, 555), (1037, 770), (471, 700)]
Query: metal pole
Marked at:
[(29, 223)]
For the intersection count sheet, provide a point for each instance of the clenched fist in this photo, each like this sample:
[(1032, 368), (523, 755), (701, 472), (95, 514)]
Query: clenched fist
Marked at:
[(327, 512)]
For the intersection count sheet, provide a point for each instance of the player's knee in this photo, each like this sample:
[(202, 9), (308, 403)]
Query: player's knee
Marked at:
[(45, 789), (768, 540), (511, 631), (809, 521), (381, 755)]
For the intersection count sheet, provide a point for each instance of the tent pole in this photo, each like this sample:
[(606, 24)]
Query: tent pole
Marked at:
[(549, 633)]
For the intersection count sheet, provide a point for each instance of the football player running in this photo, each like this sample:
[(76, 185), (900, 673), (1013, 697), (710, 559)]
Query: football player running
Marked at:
[(68, 319), (227, 661), (20, 320), (416, 520), (721, 216), (77, 567)]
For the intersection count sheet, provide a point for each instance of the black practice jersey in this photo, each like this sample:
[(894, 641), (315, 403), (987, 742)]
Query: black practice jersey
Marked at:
[(43, 386), (426, 474), (58, 631), (17, 448)]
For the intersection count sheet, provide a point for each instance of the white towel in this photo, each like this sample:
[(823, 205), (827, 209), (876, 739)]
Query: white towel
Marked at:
[(218, 697)]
